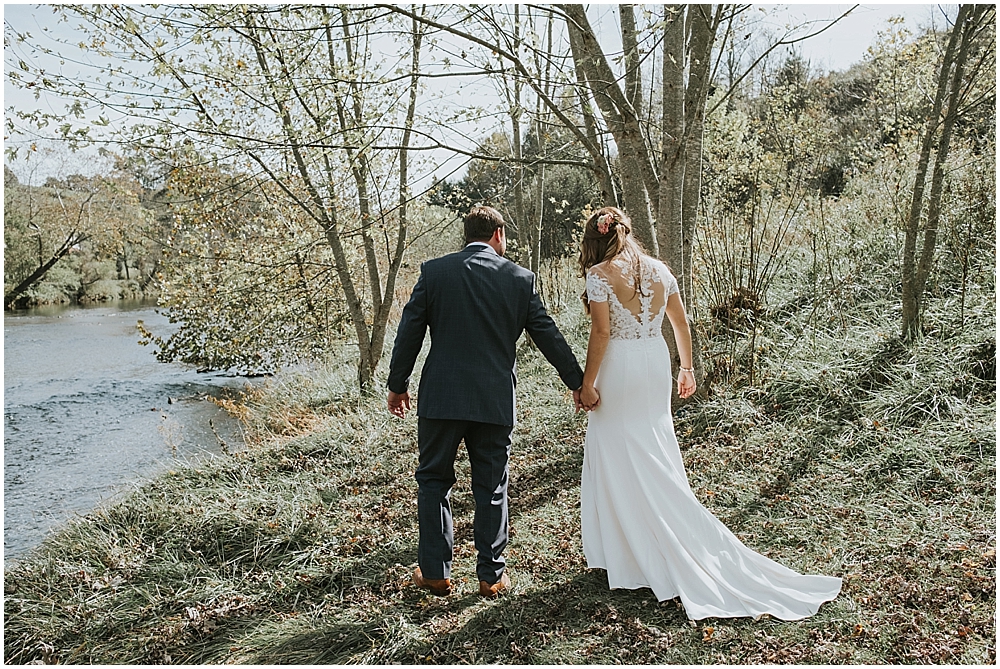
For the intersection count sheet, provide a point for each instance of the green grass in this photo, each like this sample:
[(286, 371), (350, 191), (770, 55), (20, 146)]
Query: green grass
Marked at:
[(851, 455)]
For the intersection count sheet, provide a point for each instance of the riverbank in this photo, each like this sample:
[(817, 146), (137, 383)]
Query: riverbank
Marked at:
[(852, 455), (63, 286)]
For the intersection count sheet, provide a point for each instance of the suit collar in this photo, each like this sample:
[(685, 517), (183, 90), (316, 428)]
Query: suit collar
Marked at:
[(477, 247)]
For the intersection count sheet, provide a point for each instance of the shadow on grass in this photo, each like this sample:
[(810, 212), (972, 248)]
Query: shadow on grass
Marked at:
[(537, 485), (545, 626), (577, 620)]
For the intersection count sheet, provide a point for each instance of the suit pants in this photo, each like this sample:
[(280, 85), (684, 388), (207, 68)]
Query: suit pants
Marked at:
[(489, 450)]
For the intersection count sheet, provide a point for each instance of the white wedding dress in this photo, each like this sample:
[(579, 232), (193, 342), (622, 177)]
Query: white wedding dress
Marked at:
[(640, 519)]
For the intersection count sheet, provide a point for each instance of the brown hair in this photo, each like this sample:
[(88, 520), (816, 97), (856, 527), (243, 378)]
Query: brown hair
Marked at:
[(481, 222), (607, 234)]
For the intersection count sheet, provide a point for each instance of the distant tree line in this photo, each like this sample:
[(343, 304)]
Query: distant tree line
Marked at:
[(79, 238)]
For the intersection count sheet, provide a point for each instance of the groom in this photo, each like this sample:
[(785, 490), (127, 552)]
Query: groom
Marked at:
[(476, 305)]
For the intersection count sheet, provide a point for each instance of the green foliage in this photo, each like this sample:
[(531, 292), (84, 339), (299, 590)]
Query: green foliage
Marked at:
[(62, 284), (969, 220), (235, 87), (245, 277), (568, 194), (102, 222), (810, 183), (905, 69)]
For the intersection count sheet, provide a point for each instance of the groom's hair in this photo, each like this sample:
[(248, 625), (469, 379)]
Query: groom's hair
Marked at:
[(481, 222)]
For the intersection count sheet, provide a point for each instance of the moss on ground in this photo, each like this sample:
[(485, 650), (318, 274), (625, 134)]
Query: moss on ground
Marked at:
[(852, 454)]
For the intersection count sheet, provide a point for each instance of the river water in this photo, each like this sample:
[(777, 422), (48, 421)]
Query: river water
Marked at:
[(87, 411)]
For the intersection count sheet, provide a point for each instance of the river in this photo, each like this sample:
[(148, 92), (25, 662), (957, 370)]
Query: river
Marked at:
[(88, 411)]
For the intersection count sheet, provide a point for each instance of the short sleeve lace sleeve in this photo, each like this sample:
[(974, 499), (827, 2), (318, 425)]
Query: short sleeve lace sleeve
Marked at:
[(669, 282), (597, 288)]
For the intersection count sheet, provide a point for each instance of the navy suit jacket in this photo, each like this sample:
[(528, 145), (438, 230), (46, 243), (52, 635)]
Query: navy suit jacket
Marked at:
[(476, 305)]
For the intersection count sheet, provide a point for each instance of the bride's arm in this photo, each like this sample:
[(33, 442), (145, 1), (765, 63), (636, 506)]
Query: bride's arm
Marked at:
[(600, 332), (686, 383)]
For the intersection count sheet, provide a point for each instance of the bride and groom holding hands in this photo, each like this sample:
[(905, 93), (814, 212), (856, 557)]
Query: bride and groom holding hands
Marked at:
[(640, 520)]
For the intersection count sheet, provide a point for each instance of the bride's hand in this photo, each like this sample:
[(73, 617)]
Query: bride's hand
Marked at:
[(686, 384), (590, 398)]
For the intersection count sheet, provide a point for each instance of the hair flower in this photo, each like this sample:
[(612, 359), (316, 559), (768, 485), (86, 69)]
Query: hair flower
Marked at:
[(603, 223)]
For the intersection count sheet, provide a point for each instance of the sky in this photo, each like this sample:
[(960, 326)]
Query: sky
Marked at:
[(837, 48), (846, 42)]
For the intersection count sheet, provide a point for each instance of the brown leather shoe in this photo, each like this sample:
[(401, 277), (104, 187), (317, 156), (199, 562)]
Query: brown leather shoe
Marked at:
[(440, 587), (492, 590)]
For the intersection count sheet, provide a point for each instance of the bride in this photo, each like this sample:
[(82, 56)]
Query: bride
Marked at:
[(640, 520)]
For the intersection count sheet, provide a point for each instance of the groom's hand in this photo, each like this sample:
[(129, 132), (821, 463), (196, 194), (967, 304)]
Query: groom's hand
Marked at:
[(399, 404), (590, 398), (577, 403)]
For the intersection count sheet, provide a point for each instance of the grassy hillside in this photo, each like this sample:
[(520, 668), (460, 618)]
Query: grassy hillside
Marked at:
[(851, 455)]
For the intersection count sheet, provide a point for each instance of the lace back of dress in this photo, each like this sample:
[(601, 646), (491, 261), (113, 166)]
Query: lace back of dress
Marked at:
[(635, 314)]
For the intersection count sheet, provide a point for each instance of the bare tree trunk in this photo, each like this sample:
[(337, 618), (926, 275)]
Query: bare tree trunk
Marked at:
[(683, 124), (360, 168), (549, 89), (522, 225), (703, 29), (540, 119), (669, 224), (941, 156), (323, 210), (622, 120), (633, 93), (633, 71), (914, 276)]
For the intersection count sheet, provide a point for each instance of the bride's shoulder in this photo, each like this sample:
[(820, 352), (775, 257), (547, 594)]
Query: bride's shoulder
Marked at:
[(661, 270), (656, 264), (601, 270), (668, 278)]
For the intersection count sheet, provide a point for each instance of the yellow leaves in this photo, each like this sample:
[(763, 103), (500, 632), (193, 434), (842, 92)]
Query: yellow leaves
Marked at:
[(707, 634)]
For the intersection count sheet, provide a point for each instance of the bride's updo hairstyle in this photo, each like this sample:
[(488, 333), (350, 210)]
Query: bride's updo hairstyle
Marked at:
[(608, 234)]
